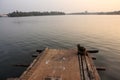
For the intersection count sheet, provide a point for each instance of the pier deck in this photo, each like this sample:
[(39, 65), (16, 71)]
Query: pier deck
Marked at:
[(55, 64)]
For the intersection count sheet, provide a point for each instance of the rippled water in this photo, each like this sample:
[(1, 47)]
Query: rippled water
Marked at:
[(21, 36)]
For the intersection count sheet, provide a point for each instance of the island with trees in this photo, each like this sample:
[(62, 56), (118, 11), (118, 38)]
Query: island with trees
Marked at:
[(21, 14), (36, 13)]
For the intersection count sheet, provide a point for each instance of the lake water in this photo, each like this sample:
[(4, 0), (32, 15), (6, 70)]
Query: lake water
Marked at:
[(21, 36)]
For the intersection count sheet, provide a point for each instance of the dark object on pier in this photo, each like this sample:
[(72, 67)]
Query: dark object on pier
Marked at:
[(101, 68), (39, 51), (92, 51), (81, 50), (34, 55), (94, 58)]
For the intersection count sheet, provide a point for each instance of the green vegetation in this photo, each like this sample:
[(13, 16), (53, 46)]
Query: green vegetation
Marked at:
[(20, 14)]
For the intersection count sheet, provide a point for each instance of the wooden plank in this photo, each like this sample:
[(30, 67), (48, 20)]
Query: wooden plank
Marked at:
[(85, 68), (54, 64), (92, 69), (33, 66), (81, 67), (13, 79), (88, 69)]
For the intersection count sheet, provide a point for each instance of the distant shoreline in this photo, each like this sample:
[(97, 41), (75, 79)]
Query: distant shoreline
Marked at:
[(53, 13), (22, 14), (96, 13)]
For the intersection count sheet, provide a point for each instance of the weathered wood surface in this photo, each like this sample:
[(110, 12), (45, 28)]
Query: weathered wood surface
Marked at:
[(53, 64)]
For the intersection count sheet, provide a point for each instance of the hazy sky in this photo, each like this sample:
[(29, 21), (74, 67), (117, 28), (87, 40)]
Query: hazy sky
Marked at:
[(59, 5)]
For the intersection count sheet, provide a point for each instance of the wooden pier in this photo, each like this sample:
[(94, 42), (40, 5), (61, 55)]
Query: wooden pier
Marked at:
[(61, 64)]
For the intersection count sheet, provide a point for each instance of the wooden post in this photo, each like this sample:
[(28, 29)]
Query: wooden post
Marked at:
[(81, 50), (40, 50), (101, 68), (92, 51)]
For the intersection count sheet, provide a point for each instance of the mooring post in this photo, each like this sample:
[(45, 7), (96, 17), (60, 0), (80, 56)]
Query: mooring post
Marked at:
[(81, 50)]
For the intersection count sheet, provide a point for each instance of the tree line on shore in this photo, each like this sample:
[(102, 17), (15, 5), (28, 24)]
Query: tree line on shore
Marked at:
[(35, 13), (20, 14), (97, 13)]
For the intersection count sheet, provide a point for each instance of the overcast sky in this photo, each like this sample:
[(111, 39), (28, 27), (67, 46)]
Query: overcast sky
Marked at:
[(7, 6)]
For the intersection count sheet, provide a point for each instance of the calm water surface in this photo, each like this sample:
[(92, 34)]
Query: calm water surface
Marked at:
[(21, 36)]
